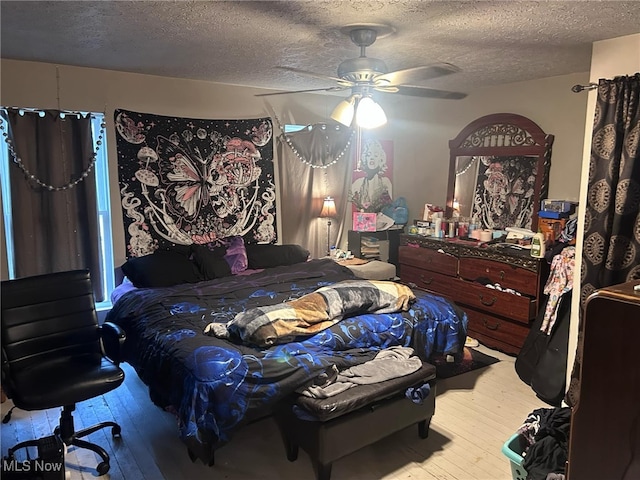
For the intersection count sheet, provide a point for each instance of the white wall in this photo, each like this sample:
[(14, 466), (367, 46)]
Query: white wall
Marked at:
[(420, 128), (609, 59)]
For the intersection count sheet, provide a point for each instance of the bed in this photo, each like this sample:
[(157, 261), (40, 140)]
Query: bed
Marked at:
[(215, 385)]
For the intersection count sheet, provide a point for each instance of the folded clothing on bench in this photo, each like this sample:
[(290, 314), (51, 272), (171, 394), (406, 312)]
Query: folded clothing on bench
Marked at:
[(324, 409), (388, 363)]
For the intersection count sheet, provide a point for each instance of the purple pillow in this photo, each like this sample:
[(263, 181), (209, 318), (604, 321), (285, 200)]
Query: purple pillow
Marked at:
[(230, 250), (236, 254)]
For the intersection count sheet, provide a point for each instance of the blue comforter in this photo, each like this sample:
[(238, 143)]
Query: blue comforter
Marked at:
[(214, 386)]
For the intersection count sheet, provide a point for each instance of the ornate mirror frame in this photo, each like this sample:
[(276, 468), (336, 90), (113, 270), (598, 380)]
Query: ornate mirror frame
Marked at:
[(503, 135)]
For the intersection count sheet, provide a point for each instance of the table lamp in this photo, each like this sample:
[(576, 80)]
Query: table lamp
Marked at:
[(328, 211)]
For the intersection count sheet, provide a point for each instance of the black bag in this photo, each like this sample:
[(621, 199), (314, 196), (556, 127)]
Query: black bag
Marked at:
[(542, 361)]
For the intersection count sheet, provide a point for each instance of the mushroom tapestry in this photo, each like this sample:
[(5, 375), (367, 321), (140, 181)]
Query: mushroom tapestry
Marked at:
[(190, 181)]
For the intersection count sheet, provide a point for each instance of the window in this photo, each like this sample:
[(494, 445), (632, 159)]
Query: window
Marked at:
[(104, 212), (288, 128)]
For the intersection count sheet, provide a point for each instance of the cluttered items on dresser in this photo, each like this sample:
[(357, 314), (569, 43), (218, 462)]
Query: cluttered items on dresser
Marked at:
[(503, 289)]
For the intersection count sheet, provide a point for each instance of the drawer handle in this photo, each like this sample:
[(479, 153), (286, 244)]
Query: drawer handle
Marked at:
[(487, 303), (426, 282), (491, 327)]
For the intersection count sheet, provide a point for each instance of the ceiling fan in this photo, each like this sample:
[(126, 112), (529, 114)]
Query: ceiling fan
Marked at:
[(365, 74)]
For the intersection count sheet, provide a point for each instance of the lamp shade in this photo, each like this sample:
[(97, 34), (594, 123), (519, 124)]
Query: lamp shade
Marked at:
[(369, 114), (344, 112), (328, 208)]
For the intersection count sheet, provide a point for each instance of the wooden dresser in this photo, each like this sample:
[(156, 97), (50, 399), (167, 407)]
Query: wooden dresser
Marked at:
[(460, 271)]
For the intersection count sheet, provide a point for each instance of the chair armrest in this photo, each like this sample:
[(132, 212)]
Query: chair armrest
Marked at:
[(112, 338), (5, 376)]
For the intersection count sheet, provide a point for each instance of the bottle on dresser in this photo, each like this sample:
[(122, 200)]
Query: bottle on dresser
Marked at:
[(538, 245)]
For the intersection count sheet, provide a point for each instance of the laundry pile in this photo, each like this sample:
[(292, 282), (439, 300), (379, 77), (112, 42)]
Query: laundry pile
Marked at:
[(546, 431)]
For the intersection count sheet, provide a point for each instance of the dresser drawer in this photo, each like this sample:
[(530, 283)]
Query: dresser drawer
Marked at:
[(509, 336), (494, 302), (508, 276), (427, 280), (429, 260)]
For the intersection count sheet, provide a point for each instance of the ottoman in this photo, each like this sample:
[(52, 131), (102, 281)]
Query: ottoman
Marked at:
[(330, 428), (374, 270)]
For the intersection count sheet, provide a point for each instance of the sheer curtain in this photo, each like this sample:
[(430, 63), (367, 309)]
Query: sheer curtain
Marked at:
[(303, 187), (611, 252), (55, 225)]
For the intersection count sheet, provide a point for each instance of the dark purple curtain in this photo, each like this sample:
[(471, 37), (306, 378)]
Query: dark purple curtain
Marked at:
[(611, 252), (54, 229)]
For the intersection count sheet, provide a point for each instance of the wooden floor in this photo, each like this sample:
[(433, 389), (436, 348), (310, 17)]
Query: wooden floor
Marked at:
[(475, 413)]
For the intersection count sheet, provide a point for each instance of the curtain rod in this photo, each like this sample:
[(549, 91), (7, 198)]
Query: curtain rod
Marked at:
[(578, 88)]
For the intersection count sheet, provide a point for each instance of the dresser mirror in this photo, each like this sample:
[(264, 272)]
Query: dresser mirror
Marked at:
[(499, 171)]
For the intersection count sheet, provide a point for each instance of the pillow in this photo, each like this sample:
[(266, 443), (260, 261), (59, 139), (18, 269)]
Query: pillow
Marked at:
[(267, 255), (174, 247), (236, 254), (211, 261), (163, 268), (120, 290), (230, 249)]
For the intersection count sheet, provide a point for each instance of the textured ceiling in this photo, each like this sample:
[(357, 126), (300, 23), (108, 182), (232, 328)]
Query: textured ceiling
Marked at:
[(239, 42)]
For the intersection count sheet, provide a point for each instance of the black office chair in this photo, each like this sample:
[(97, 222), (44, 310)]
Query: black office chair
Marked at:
[(54, 353)]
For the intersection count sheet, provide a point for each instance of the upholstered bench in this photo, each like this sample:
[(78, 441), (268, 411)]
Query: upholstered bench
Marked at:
[(374, 270), (330, 428)]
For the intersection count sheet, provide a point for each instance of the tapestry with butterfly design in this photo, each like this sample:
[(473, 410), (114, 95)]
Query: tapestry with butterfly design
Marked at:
[(184, 181)]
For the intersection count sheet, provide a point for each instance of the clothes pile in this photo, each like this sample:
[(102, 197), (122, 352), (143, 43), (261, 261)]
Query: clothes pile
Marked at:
[(546, 431)]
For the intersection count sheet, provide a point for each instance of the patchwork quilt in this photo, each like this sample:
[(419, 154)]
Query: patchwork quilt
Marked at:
[(314, 312)]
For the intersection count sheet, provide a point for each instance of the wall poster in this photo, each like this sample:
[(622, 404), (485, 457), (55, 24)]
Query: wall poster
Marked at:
[(371, 187)]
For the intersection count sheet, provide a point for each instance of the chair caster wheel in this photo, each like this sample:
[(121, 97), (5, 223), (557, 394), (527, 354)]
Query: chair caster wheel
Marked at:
[(103, 468), (115, 431)]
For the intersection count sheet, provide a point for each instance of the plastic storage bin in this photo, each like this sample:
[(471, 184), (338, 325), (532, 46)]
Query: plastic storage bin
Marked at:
[(513, 449)]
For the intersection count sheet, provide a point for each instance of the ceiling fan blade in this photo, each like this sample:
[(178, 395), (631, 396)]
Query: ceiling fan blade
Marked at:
[(328, 89), (340, 81), (385, 89), (429, 92), (416, 74)]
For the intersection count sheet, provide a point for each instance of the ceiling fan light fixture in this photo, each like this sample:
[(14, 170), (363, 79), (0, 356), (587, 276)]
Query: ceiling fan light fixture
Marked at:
[(344, 111), (369, 114)]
